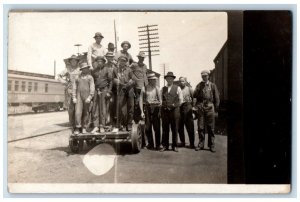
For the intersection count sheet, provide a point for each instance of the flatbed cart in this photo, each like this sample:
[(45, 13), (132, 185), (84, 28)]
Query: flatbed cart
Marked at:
[(134, 137)]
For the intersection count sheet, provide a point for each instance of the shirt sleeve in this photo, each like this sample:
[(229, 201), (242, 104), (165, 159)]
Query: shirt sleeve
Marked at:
[(159, 94), (92, 86), (89, 55), (74, 87), (61, 75), (179, 92)]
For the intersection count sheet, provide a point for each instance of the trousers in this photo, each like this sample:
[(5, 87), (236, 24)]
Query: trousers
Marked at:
[(101, 115), (152, 120), (82, 112), (170, 118), (206, 121), (186, 119), (71, 110), (125, 102)]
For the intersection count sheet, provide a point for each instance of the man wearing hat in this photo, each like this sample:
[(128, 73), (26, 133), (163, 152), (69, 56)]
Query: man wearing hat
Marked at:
[(124, 52), (67, 77), (124, 93), (139, 76), (171, 101), (207, 103), (95, 50), (110, 47), (150, 103), (186, 113), (103, 88), (83, 92)]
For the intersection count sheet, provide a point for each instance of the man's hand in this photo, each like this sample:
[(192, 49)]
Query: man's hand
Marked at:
[(74, 100), (108, 95), (88, 100), (142, 115)]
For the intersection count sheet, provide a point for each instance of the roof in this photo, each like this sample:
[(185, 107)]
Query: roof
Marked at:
[(31, 76)]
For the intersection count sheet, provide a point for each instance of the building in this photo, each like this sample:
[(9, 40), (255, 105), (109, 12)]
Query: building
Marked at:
[(27, 90), (219, 75)]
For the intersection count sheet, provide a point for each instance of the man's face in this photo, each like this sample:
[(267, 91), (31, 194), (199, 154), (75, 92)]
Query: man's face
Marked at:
[(141, 59), (125, 47), (109, 59), (98, 39), (152, 82), (73, 62), (85, 70), (182, 82), (100, 63), (169, 80), (205, 78), (122, 63)]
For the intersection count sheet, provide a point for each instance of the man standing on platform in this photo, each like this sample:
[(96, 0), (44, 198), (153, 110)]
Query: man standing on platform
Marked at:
[(124, 52), (95, 50)]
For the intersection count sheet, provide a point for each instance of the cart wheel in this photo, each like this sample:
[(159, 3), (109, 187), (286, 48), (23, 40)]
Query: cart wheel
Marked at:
[(75, 145), (136, 138)]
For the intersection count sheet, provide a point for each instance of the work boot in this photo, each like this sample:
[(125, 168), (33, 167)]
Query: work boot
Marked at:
[(95, 130), (163, 149), (181, 144), (200, 146), (212, 148), (102, 130), (175, 149), (115, 130), (83, 131), (76, 131)]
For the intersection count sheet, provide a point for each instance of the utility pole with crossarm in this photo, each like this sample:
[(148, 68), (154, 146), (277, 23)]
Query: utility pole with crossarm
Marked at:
[(148, 33)]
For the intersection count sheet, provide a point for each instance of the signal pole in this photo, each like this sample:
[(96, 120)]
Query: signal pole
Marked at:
[(147, 33)]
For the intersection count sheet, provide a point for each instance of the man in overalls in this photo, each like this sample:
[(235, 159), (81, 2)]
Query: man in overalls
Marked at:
[(83, 92), (207, 103)]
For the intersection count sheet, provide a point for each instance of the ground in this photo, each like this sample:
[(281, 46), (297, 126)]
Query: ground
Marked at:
[(38, 152)]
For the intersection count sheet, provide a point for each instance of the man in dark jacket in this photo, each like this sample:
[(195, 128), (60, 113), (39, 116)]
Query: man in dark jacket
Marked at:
[(207, 104), (171, 101)]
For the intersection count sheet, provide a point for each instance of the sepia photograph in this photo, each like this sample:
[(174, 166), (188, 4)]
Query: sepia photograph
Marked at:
[(128, 102)]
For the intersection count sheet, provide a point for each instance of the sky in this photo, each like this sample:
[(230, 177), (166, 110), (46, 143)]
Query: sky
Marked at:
[(188, 41)]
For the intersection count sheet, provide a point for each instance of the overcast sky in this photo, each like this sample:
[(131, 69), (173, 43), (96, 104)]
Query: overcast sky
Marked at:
[(189, 41)]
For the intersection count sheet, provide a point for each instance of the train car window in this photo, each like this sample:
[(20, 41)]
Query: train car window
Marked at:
[(16, 85), (29, 86), (23, 86), (46, 88), (9, 85), (35, 87)]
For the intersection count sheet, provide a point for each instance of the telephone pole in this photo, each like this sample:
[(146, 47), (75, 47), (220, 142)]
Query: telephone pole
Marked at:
[(147, 33)]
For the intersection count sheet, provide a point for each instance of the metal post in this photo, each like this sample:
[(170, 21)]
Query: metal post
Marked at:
[(115, 36), (149, 50)]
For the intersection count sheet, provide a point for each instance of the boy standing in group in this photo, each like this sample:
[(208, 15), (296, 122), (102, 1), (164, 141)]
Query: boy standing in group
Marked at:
[(83, 92)]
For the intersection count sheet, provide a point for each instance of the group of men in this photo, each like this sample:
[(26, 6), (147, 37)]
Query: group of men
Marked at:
[(114, 91)]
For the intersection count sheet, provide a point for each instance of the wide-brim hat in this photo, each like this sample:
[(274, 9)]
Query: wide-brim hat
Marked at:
[(98, 34), (205, 72), (141, 54), (151, 76), (84, 65), (123, 58), (100, 58), (110, 54), (170, 74), (125, 42), (73, 57)]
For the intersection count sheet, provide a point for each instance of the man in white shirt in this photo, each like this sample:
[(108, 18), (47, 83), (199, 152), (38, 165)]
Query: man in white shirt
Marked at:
[(95, 50)]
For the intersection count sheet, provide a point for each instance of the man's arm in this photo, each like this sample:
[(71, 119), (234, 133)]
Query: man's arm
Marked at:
[(61, 75), (141, 101), (92, 86), (192, 95), (179, 92), (74, 89), (89, 55)]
